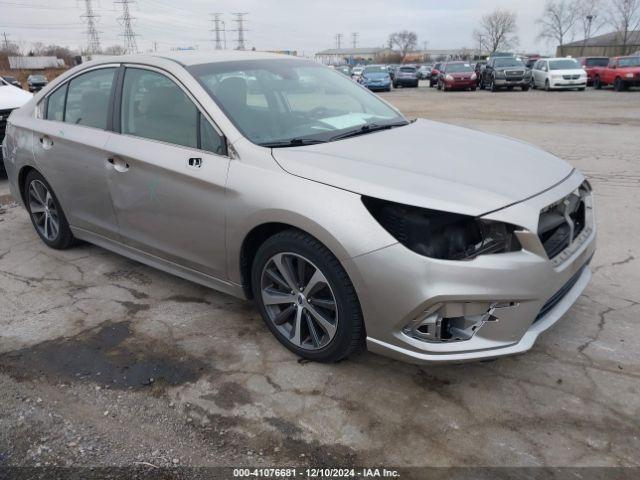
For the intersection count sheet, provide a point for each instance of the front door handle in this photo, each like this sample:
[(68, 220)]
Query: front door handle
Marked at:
[(119, 165), (46, 142), (195, 162)]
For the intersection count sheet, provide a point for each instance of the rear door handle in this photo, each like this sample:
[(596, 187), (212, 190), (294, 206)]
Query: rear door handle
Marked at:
[(46, 142), (119, 165)]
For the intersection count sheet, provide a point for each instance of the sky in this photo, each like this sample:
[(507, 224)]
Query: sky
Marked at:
[(307, 26)]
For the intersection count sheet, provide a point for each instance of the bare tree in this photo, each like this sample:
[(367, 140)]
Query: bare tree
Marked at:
[(497, 31), (589, 19), (405, 41), (114, 50), (557, 21), (625, 17)]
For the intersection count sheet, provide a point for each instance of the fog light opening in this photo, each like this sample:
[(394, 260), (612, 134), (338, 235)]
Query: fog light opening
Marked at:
[(453, 322)]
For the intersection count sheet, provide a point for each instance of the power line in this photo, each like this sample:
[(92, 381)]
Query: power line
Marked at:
[(354, 39), (217, 31), (241, 29), (93, 40), (130, 44)]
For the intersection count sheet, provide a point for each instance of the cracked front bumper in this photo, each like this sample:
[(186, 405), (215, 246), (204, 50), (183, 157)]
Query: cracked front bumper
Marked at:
[(396, 286)]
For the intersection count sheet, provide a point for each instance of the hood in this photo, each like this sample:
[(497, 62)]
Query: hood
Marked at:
[(570, 71), (461, 74), (12, 97), (466, 171)]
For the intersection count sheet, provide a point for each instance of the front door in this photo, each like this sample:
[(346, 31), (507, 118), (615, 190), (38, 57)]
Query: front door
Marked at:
[(69, 149), (168, 174)]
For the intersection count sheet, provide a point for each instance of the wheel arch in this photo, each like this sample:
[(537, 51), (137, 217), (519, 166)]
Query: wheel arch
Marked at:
[(22, 176)]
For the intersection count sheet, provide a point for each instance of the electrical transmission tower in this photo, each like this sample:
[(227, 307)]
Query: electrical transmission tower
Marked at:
[(93, 40), (130, 44), (339, 40), (241, 30), (354, 39), (217, 30)]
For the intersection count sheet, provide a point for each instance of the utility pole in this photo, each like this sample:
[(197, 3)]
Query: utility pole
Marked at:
[(130, 44), (339, 40), (241, 29), (216, 29), (354, 39), (93, 40), (480, 37)]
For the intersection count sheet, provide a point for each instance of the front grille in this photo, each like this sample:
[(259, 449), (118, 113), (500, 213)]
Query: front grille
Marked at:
[(571, 77), (561, 223), (560, 294), (514, 73)]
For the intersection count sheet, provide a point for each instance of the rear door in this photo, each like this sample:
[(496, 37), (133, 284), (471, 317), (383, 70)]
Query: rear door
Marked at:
[(168, 172), (69, 148)]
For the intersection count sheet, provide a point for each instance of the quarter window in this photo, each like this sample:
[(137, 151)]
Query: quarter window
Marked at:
[(55, 104), (209, 138), (88, 98)]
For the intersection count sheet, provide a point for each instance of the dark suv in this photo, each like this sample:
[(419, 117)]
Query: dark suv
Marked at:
[(36, 82), (505, 72)]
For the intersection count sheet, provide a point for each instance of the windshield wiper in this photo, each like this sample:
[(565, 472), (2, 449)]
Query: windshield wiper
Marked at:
[(294, 142), (368, 128)]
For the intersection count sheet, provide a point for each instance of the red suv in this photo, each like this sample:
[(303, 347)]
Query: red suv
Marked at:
[(457, 76), (622, 73), (593, 66)]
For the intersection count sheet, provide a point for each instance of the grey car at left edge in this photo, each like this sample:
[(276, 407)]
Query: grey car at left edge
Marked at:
[(280, 180)]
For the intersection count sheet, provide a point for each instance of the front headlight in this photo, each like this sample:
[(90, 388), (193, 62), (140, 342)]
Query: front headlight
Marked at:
[(500, 74), (449, 77), (473, 76), (443, 235)]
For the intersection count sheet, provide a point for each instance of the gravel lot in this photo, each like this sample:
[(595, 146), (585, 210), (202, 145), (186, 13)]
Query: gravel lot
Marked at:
[(104, 361)]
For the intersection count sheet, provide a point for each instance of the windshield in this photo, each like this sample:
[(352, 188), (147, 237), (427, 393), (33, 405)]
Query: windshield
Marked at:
[(564, 64), (408, 69), (629, 62), (277, 101), (508, 62), (458, 67), (596, 62)]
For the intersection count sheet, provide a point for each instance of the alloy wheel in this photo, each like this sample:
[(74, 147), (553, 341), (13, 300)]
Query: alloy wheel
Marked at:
[(299, 301), (43, 210)]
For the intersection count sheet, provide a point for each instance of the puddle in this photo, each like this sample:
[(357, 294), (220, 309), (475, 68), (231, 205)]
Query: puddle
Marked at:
[(107, 355)]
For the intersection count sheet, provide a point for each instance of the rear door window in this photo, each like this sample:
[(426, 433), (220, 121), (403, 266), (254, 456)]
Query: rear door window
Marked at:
[(88, 98)]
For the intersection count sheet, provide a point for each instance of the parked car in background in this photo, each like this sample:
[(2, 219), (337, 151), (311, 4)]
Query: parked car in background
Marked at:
[(356, 72), (36, 82), (622, 73), (478, 68), (505, 72), (12, 81), (406, 76), (344, 69), (424, 72), (457, 76), (376, 77), (11, 97), (558, 74), (435, 74), (593, 66), (392, 71), (470, 255)]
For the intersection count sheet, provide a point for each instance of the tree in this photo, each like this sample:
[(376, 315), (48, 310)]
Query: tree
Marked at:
[(589, 19), (114, 50), (625, 17), (557, 21), (405, 41), (497, 31)]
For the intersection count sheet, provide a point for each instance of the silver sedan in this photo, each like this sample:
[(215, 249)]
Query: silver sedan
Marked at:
[(278, 179)]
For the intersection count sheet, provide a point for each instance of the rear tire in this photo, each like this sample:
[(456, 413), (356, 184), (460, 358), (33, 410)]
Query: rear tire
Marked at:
[(330, 341), (46, 214)]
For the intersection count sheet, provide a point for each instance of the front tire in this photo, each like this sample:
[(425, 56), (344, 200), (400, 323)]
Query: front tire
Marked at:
[(547, 85), (618, 85), (306, 298), (46, 214), (597, 84)]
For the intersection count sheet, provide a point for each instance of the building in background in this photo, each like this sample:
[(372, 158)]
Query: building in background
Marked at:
[(35, 63), (607, 45), (351, 56)]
